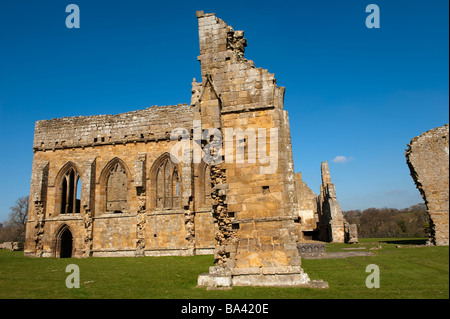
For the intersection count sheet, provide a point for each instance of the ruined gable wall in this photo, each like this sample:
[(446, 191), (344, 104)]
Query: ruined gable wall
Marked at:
[(263, 206), (427, 157)]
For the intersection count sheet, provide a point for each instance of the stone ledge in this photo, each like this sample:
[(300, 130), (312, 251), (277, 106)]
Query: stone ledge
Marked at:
[(215, 270), (246, 108), (311, 249), (336, 255), (211, 281), (263, 219)]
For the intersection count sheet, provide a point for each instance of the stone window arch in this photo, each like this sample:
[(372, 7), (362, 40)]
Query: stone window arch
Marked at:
[(115, 183), (175, 188), (68, 183), (204, 185), (207, 186), (166, 181)]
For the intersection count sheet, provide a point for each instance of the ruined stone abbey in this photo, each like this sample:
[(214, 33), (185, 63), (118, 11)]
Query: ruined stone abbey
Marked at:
[(110, 185)]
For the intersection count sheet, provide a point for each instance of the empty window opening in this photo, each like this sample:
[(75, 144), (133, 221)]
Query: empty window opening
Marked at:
[(167, 185), (78, 192), (71, 192)]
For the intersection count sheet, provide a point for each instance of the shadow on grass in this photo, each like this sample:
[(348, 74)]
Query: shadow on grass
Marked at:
[(406, 241)]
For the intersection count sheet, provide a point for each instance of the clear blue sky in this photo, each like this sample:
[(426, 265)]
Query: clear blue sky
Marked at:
[(353, 93)]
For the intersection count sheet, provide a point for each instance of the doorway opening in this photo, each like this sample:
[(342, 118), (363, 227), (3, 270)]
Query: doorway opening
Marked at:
[(66, 243)]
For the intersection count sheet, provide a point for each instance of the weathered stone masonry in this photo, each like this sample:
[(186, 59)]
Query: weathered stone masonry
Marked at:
[(260, 246), (106, 185), (122, 209), (427, 157)]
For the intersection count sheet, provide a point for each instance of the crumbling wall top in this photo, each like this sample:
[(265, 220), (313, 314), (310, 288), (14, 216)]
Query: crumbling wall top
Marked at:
[(238, 83), (326, 178), (155, 122)]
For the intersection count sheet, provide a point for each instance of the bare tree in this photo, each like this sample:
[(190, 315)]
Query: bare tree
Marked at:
[(19, 212), (14, 228)]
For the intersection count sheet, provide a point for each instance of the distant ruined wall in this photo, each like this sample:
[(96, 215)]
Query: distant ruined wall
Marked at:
[(427, 157), (331, 217), (332, 225), (307, 207)]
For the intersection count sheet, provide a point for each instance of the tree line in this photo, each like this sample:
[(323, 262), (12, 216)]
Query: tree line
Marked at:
[(390, 222)]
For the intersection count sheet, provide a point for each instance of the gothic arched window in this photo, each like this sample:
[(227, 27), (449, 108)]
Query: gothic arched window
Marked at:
[(207, 188), (71, 191), (116, 189), (167, 185)]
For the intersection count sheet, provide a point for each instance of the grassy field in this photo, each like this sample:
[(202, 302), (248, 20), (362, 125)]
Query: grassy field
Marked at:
[(405, 272)]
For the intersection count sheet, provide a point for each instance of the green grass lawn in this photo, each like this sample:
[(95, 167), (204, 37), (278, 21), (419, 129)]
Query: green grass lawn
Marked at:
[(407, 272)]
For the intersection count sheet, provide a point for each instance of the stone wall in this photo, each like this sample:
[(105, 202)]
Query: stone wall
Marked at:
[(151, 124), (255, 207), (427, 157), (307, 208), (331, 217), (112, 233), (134, 144), (12, 245), (332, 226)]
